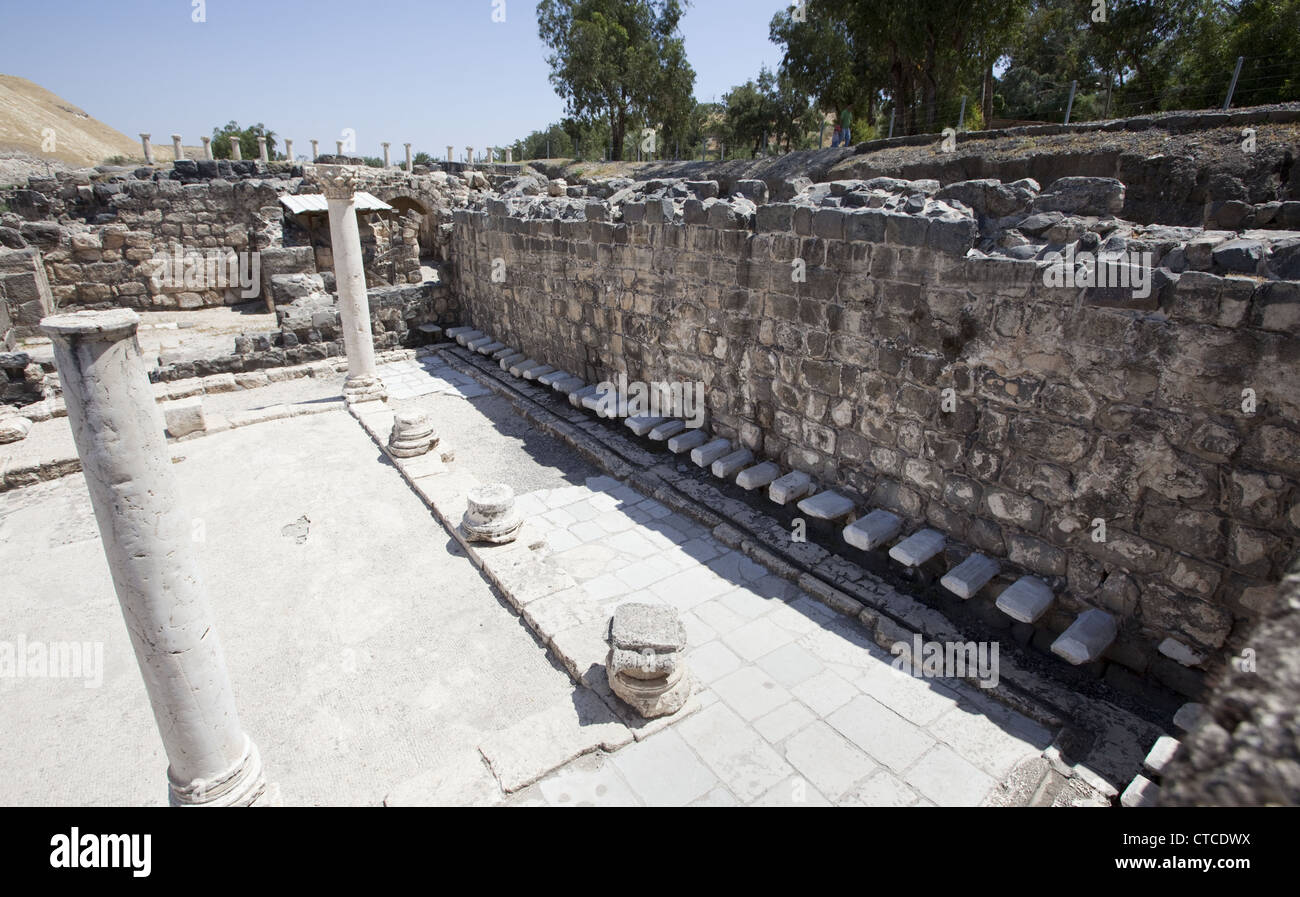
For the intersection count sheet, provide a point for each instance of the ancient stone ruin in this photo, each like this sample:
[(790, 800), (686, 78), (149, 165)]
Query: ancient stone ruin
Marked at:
[(1050, 403)]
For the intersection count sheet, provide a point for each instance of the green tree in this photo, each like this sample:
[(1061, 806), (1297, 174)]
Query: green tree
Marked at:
[(248, 147), (619, 60)]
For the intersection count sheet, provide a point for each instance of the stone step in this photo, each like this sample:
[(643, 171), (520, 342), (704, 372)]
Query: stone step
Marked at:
[(642, 424), (827, 505), (506, 360), (503, 352), (1087, 638), (551, 376), (480, 341), (536, 372), (489, 348), (1027, 599), (874, 530), (667, 430), (918, 548), (759, 475), (705, 455), (792, 486), (465, 338), (519, 367), (1141, 792), (578, 396), (685, 442), (453, 332), (970, 576), (567, 385), (1162, 753), (729, 465)]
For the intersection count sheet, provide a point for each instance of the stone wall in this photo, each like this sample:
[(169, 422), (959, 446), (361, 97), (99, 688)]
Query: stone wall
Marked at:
[(1071, 405)]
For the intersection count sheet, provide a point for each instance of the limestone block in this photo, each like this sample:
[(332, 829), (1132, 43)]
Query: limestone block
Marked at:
[(12, 429), (642, 424), (514, 358), (490, 514), (503, 352), (758, 476), (1141, 792), (873, 530), (412, 434), (1162, 753), (1189, 716), (480, 341), (1026, 600), (454, 332), (488, 348), (827, 505), (535, 371), (464, 337), (729, 465), (970, 576), (645, 665), (792, 486), (918, 548), (666, 430), (581, 394), (567, 385), (1180, 653), (517, 368), (1087, 637), (184, 417), (706, 454), (688, 441), (550, 377)]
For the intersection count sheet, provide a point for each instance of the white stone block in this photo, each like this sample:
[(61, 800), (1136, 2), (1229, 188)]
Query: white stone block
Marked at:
[(970, 576), (705, 455), (465, 336), (579, 396), (13, 429), (792, 486), (1180, 653), (759, 475), (685, 442), (567, 385), (1087, 638), (454, 332), (918, 548), (1027, 599), (729, 465), (1141, 792), (1189, 716), (536, 371), (667, 430), (184, 417), (1162, 753), (489, 348), (478, 342), (551, 376), (517, 368), (827, 506), (506, 360), (642, 424), (503, 352), (874, 530)]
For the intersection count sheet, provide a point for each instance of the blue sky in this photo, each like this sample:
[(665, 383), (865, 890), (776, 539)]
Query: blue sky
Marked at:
[(433, 73)]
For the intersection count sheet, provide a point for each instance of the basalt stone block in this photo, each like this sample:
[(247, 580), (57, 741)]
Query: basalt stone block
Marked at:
[(776, 217)]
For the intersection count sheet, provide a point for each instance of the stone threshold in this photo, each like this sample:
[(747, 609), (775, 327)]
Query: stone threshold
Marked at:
[(1099, 743)]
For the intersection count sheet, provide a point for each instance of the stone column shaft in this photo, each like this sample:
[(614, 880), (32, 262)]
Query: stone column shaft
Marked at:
[(288, 150), (261, 150), (146, 533), (338, 147), (451, 155), (387, 161), (207, 147), (148, 150), (235, 152), (410, 169), (363, 383), (176, 147), (314, 151)]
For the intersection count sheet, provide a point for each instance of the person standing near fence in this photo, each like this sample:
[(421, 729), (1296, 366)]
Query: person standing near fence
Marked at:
[(846, 125)]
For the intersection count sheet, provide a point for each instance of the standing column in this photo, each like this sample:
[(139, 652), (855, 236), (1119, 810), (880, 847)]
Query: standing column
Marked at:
[(148, 150), (261, 150), (510, 153), (469, 155), (176, 147), (288, 150), (314, 151), (118, 429), (363, 383), (207, 148), (386, 158), (338, 147), (235, 152), (450, 156), (410, 169), (491, 157)]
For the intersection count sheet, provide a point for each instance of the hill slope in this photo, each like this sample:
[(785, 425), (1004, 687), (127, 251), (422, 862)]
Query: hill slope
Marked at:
[(26, 109)]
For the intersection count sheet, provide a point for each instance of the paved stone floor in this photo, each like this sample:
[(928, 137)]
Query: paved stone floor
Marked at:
[(797, 704)]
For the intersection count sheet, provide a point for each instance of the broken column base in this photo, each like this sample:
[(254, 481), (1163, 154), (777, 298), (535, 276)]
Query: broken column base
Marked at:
[(490, 515), (364, 389), (652, 698), (243, 785)]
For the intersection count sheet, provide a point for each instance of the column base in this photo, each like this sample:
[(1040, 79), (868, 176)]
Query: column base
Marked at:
[(364, 389), (243, 785)]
